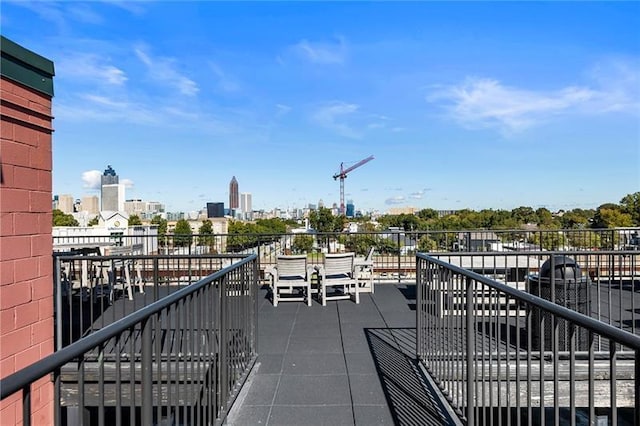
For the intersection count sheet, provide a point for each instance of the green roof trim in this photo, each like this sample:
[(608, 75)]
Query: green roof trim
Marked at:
[(26, 67)]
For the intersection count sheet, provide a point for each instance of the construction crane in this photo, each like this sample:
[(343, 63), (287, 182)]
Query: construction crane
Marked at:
[(342, 174)]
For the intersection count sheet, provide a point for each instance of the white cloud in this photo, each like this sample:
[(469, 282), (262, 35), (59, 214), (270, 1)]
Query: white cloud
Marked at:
[(487, 103), (417, 195), (399, 199), (92, 179), (128, 183), (163, 70), (90, 67), (323, 53), (333, 117)]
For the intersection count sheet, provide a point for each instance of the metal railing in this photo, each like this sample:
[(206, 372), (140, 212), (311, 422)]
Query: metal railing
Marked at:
[(500, 356), (178, 360), (394, 249), (92, 291)]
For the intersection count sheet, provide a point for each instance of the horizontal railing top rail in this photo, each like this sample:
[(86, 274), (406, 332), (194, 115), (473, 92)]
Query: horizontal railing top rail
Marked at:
[(20, 379), (623, 337)]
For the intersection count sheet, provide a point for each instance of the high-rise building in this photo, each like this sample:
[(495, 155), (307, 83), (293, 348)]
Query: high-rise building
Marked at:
[(215, 209), (90, 204), (245, 205), (233, 194), (351, 209), (113, 197), (109, 177), (112, 194), (65, 203)]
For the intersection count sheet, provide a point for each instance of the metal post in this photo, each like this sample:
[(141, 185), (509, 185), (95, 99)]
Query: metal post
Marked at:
[(26, 405), (419, 325), (636, 385), (58, 293), (399, 256), (147, 382), (470, 355)]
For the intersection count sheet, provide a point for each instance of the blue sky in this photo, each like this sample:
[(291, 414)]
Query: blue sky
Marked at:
[(464, 105)]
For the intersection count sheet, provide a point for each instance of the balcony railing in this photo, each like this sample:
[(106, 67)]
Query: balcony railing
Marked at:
[(180, 359), (394, 249), (170, 336), (504, 356)]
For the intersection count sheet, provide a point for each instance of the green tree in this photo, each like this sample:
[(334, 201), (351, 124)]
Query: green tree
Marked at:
[(631, 205), (549, 240), (302, 243), (576, 219), (205, 234), (524, 215), (134, 220), (63, 219), (611, 216), (94, 221), (162, 228), (426, 244), (182, 234), (427, 214), (545, 218), (322, 220), (584, 239)]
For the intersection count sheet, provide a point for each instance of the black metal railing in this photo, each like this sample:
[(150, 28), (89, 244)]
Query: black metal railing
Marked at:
[(92, 291), (178, 360), (501, 355), (394, 249)]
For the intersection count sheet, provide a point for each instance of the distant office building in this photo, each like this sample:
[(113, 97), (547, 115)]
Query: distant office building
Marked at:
[(155, 207), (65, 203), (113, 197), (215, 209), (109, 177), (245, 205), (320, 203), (402, 210), (112, 192), (234, 198), (135, 207), (56, 202), (351, 209), (90, 204)]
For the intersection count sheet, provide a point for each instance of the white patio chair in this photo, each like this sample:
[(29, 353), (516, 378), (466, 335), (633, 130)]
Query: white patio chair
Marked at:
[(339, 271), (291, 273), (364, 271)]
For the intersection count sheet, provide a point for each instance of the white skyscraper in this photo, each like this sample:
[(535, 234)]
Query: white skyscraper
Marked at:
[(245, 205)]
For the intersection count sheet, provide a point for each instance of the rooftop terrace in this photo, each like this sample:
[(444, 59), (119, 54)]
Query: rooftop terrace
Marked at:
[(342, 364)]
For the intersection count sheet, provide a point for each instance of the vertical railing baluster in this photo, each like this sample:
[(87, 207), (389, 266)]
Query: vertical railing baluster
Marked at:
[(147, 372), (470, 355), (26, 405)]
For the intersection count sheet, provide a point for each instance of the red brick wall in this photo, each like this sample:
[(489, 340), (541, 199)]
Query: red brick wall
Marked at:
[(26, 268)]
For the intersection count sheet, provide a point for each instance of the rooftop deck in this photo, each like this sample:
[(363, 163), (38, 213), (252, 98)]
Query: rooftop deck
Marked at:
[(343, 364)]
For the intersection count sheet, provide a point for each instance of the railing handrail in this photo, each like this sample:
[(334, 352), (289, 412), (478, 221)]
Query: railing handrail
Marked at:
[(621, 336), (18, 380)]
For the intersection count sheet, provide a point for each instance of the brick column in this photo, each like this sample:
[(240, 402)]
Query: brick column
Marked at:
[(26, 269)]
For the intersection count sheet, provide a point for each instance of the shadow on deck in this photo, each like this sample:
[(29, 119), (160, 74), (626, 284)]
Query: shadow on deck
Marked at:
[(344, 364)]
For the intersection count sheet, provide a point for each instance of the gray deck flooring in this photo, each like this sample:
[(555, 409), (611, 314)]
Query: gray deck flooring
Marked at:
[(342, 364)]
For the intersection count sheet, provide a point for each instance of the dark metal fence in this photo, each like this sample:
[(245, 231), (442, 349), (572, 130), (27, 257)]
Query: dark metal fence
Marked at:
[(180, 359), (92, 291), (504, 356), (394, 249)]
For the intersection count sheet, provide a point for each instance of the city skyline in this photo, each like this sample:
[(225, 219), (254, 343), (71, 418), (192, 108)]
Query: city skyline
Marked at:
[(464, 105)]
